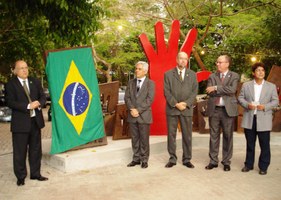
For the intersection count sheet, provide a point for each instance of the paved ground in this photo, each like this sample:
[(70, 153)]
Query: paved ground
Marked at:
[(117, 182)]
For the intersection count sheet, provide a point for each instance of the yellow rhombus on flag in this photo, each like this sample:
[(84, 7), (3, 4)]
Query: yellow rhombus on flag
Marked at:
[(76, 108)]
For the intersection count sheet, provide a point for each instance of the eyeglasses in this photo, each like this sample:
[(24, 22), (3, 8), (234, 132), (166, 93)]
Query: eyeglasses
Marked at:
[(220, 62), (22, 68)]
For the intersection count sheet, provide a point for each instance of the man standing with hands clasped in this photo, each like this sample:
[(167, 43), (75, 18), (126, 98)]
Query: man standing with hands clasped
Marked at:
[(25, 96), (258, 97), (139, 96), (222, 108), (180, 90)]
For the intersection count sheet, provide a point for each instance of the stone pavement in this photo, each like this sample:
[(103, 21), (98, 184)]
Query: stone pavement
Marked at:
[(117, 182)]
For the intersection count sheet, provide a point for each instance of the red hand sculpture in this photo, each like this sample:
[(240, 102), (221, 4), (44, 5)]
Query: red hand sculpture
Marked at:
[(161, 60)]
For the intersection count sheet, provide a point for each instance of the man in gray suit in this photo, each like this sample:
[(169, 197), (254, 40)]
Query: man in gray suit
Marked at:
[(139, 96), (222, 109), (180, 90), (258, 97)]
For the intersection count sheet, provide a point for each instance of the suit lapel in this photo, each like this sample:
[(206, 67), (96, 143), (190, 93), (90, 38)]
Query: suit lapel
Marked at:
[(263, 91), (217, 77), (143, 86), (252, 90), (176, 75), (134, 87), (19, 85), (31, 88)]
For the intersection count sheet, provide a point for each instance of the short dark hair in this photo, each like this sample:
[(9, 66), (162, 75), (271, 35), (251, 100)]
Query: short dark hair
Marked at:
[(256, 65)]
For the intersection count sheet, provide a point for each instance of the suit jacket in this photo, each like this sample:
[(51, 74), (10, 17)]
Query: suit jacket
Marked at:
[(227, 91), (269, 98), (18, 102), (176, 91), (142, 102)]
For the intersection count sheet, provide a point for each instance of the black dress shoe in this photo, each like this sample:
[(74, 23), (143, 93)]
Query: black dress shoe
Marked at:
[(20, 182), (144, 165), (226, 168), (188, 164), (133, 163), (39, 178), (246, 169), (263, 172), (211, 166), (170, 164)]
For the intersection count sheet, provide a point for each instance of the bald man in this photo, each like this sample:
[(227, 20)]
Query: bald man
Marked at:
[(25, 96), (180, 90)]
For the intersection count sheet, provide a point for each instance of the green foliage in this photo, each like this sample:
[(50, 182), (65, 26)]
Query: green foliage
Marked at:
[(30, 27)]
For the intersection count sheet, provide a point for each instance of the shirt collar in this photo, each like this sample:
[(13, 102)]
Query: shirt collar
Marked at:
[(183, 70), (224, 73), (142, 79), (255, 83), (21, 80)]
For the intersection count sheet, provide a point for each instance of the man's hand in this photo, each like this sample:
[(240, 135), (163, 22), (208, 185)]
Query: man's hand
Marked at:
[(210, 89), (260, 107), (251, 106), (134, 112), (34, 105), (181, 106)]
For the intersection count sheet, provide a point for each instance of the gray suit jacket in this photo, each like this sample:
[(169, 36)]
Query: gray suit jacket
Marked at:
[(142, 102), (176, 91), (227, 91), (268, 98)]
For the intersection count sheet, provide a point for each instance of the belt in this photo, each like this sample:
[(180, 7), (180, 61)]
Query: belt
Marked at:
[(220, 106)]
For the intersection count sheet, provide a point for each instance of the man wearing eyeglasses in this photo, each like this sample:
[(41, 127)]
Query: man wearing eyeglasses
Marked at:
[(25, 96), (222, 109)]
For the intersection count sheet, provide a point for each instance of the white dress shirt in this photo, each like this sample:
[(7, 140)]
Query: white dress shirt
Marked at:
[(257, 92)]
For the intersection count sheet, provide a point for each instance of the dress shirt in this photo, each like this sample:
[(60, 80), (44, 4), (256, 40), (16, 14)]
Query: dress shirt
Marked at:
[(27, 84), (257, 92), (182, 73), (141, 82), (221, 102)]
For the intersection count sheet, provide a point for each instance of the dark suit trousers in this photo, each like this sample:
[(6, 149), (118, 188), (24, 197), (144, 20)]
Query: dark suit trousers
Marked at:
[(186, 128), (264, 141), (140, 141), (218, 120), (27, 142)]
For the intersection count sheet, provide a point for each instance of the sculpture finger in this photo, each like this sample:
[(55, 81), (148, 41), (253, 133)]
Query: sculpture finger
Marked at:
[(189, 41), (147, 47)]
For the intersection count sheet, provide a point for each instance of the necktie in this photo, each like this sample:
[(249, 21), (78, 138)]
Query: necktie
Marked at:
[(222, 78), (138, 86), (218, 99), (180, 76), (27, 94)]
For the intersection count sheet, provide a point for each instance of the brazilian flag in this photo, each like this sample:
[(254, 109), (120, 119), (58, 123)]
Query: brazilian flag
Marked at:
[(76, 109)]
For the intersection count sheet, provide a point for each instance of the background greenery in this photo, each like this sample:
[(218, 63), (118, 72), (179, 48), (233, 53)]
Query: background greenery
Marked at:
[(242, 28)]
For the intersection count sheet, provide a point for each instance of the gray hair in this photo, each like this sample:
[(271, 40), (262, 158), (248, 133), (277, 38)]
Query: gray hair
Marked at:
[(144, 65)]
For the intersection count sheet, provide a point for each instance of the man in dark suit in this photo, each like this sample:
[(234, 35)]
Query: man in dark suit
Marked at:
[(139, 96), (180, 90), (258, 97), (25, 96), (222, 109)]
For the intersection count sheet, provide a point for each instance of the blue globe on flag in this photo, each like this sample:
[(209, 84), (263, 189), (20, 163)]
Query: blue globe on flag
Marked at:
[(75, 98)]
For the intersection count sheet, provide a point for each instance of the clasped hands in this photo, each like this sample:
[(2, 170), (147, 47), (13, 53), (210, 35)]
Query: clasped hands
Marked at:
[(181, 106), (134, 112), (253, 106)]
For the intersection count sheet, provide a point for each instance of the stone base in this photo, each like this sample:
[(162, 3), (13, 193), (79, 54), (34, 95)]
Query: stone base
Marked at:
[(115, 152)]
